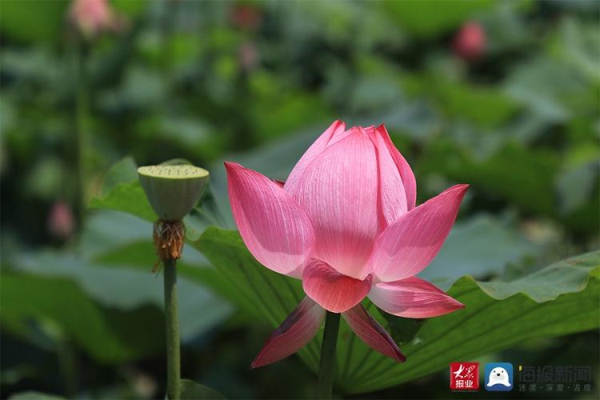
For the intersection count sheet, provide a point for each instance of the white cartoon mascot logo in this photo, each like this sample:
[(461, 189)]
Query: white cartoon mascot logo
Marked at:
[(499, 376)]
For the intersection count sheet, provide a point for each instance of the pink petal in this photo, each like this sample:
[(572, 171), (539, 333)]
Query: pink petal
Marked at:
[(274, 228), (412, 298), (408, 178), (393, 201), (338, 191), (336, 129), (408, 245), (296, 331), (333, 291), (373, 334)]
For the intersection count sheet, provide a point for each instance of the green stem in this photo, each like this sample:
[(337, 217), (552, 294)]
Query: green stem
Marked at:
[(82, 111), (327, 367), (172, 330)]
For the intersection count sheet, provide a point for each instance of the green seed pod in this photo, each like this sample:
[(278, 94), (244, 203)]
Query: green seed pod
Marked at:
[(173, 190)]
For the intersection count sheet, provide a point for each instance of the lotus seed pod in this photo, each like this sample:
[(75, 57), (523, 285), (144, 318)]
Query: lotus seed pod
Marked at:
[(173, 190)]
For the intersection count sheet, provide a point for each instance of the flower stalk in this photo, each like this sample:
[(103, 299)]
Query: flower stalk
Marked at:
[(172, 330), (327, 365), (81, 128), (168, 244)]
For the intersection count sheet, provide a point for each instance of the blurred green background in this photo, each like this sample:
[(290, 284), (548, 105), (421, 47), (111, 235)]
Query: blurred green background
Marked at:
[(503, 95)]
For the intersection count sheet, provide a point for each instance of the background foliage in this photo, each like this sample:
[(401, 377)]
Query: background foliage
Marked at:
[(256, 82)]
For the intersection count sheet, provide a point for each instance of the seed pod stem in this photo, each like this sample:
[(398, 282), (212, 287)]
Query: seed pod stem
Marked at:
[(172, 330)]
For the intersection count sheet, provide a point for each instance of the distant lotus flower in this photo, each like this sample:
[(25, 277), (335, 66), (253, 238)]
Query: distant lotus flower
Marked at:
[(61, 223), (345, 223), (248, 56), (469, 42), (94, 16), (246, 17)]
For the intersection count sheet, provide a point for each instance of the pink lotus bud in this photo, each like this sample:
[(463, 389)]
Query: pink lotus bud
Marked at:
[(469, 41), (347, 224), (92, 17), (248, 56), (61, 223)]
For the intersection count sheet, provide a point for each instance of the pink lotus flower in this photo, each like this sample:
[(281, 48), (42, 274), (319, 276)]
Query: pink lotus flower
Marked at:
[(94, 16), (345, 223)]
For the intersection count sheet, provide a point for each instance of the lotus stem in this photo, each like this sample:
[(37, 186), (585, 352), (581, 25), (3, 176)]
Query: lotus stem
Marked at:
[(172, 330), (81, 117), (327, 365)]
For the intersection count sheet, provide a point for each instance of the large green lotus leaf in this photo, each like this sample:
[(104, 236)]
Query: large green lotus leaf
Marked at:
[(107, 334), (558, 300)]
